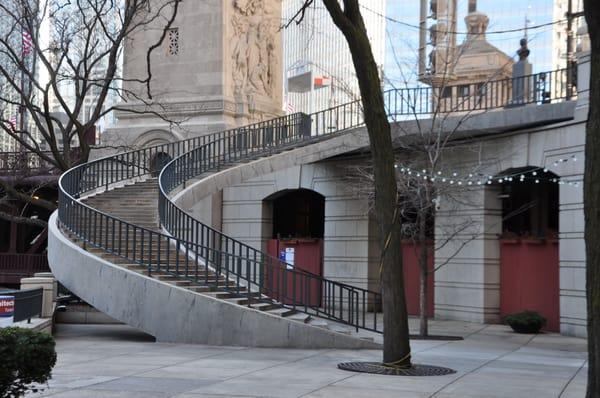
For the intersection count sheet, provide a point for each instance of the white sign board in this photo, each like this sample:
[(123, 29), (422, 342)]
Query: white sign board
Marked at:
[(289, 257), (7, 310)]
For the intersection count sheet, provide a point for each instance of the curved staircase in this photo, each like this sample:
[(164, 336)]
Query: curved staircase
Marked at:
[(123, 241), (137, 204), (137, 256)]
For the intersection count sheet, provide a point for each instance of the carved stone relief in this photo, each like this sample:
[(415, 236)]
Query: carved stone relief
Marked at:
[(254, 55)]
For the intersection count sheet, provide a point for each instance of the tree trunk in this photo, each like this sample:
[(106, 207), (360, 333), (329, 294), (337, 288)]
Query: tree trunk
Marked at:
[(592, 203), (424, 272), (395, 316), (396, 345)]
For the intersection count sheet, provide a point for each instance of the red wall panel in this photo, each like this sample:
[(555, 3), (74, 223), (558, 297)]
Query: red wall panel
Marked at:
[(529, 279), (288, 287), (410, 257)]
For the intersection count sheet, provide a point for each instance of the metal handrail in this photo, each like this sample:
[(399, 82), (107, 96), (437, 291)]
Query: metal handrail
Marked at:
[(196, 251), (265, 276)]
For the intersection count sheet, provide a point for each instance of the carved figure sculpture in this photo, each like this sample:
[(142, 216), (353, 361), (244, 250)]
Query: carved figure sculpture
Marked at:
[(523, 52), (254, 57)]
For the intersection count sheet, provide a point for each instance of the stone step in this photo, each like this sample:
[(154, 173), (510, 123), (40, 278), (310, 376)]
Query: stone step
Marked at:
[(221, 295), (142, 268), (127, 197), (265, 306), (283, 311), (318, 322), (300, 317)]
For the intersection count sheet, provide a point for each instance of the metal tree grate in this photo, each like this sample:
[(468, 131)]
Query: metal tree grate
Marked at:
[(381, 369)]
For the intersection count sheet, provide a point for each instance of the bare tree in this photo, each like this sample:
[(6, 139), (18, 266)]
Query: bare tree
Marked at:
[(347, 17), (59, 67), (423, 176), (426, 130)]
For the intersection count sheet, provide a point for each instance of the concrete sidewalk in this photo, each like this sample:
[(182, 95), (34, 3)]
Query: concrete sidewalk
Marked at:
[(118, 361)]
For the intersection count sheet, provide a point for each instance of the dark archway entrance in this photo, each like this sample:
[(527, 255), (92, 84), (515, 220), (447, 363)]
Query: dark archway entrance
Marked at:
[(529, 263), (297, 239), (157, 163)]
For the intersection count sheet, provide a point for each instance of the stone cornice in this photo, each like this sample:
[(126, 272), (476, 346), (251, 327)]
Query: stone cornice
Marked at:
[(180, 108)]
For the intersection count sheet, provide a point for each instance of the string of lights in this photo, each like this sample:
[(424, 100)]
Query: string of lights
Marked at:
[(536, 175), (493, 32)]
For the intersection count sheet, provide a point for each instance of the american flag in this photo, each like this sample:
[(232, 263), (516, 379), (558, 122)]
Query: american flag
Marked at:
[(12, 122), (290, 107), (27, 43)]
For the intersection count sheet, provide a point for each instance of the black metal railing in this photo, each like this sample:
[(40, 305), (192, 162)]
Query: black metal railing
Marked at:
[(194, 250), (265, 277), (14, 266), (28, 303), (537, 88)]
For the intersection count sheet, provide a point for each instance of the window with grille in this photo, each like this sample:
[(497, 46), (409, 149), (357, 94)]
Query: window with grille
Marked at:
[(173, 41)]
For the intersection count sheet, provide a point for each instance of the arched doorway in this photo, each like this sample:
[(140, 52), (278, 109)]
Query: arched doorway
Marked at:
[(157, 162), (529, 263), (298, 226)]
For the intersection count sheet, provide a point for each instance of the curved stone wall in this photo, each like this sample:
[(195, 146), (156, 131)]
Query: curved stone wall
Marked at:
[(174, 314)]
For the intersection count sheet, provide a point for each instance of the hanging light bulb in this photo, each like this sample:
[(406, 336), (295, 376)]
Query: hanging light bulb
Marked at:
[(534, 173)]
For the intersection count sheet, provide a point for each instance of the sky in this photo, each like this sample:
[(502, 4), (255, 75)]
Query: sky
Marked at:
[(504, 15)]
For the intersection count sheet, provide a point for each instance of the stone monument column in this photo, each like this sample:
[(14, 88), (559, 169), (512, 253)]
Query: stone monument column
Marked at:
[(522, 85), (219, 67)]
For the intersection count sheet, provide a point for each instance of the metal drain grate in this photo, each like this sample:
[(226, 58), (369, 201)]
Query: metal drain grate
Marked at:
[(380, 369)]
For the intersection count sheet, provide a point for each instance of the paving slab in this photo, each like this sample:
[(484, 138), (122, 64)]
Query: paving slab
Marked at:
[(165, 385), (116, 361)]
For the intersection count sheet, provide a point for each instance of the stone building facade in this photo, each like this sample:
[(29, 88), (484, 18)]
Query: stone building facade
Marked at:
[(224, 74), (469, 285)]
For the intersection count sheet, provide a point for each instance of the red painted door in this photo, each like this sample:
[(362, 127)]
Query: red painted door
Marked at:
[(529, 279), (412, 279), (289, 284)]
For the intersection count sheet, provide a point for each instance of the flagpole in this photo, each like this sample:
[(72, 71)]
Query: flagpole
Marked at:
[(22, 83)]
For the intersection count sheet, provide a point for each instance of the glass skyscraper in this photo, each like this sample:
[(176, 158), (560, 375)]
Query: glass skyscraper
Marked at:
[(318, 68)]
